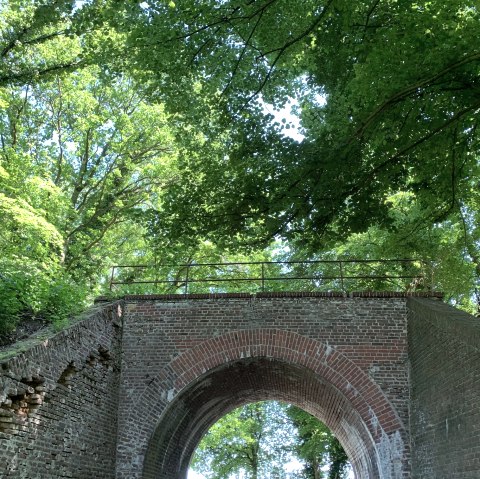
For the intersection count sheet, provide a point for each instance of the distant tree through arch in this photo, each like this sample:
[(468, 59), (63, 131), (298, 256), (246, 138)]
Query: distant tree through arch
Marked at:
[(269, 439)]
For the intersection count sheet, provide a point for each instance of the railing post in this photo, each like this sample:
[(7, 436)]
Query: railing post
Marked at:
[(155, 284), (186, 278), (432, 277), (341, 276), (111, 277), (263, 277)]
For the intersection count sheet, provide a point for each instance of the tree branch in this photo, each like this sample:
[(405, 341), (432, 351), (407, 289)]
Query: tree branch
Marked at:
[(409, 90), (15, 77), (281, 50)]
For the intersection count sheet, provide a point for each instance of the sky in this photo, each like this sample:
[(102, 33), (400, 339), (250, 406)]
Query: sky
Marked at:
[(288, 117)]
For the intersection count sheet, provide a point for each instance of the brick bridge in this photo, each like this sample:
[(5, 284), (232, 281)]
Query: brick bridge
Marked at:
[(128, 391)]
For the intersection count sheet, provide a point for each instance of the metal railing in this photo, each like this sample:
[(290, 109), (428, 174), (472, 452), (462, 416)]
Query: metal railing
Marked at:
[(331, 275)]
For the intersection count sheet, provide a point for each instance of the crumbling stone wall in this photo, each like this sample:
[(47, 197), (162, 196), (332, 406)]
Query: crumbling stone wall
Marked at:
[(444, 351), (59, 401)]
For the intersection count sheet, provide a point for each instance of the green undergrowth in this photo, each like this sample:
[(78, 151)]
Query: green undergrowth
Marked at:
[(17, 347), (29, 295)]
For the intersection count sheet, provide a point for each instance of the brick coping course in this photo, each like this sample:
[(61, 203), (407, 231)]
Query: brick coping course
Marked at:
[(278, 294)]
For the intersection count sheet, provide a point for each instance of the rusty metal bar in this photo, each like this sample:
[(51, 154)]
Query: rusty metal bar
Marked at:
[(315, 261), (273, 278), (111, 277), (341, 276), (263, 277), (186, 279), (315, 276)]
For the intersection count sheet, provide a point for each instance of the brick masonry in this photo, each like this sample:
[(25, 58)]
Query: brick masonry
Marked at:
[(59, 401), (146, 378), (444, 351), (187, 362)]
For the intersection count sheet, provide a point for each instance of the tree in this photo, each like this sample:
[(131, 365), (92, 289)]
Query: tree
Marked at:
[(81, 158), (31, 253), (446, 253), (393, 121), (401, 81), (401, 117), (43, 39), (149, 117), (246, 441), (317, 446), (242, 442), (98, 143)]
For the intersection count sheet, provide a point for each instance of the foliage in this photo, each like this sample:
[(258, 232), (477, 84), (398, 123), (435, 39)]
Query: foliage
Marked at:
[(31, 247), (448, 251), (40, 39), (36, 290), (137, 131), (81, 159), (403, 113), (317, 446), (246, 441)]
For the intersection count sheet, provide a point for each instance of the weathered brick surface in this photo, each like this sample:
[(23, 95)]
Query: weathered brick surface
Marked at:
[(344, 359), (148, 385), (444, 348), (59, 401)]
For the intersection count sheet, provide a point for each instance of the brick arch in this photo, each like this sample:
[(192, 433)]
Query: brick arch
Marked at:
[(324, 360), (350, 400)]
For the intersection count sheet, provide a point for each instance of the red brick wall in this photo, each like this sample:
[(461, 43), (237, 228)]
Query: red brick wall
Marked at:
[(187, 362), (444, 350)]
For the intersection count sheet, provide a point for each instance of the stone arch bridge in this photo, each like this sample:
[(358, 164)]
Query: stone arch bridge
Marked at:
[(128, 391)]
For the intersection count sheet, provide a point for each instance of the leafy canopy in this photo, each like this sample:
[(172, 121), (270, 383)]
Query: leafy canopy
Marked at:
[(138, 130), (259, 441)]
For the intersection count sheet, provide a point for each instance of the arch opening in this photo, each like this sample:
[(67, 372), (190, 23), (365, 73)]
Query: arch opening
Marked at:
[(220, 390), (269, 439)]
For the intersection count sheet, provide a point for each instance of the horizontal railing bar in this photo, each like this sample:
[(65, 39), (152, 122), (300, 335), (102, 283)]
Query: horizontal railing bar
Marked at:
[(231, 272), (320, 261), (279, 278)]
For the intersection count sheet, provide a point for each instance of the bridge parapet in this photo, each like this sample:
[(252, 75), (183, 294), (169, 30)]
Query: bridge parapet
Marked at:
[(59, 400)]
